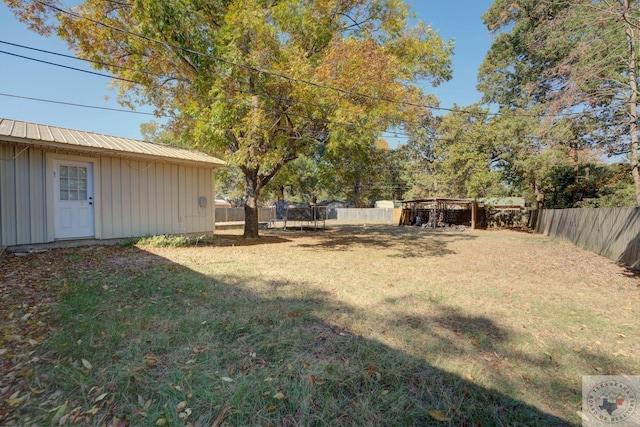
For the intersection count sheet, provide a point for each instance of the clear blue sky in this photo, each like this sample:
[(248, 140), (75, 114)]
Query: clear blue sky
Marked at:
[(458, 20)]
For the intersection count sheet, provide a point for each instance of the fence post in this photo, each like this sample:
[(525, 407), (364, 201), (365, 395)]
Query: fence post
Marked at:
[(474, 214)]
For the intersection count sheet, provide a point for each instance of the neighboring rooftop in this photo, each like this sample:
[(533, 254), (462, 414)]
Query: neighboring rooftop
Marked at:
[(34, 134)]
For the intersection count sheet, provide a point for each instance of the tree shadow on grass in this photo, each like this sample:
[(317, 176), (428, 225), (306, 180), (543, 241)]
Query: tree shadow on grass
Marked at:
[(230, 239), (409, 242), (169, 343), (498, 353)]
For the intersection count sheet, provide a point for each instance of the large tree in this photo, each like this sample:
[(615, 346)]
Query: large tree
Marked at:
[(257, 82), (474, 153), (572, 58), (467, 161)]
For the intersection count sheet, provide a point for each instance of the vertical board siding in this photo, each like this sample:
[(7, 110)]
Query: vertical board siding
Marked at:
[(161, 200), (162, 188), (126, 190), (144, 199), (210, 191), (202, 192), (155, 198), (116, 197), (199, 191), (134, 175), (8, 192), (610, 232), (23, 195), (106, 203), (198, 183), (152, 201), (175, 211), (191, 200), (136, 197), (1, 193), (23, 210), (37, 196)]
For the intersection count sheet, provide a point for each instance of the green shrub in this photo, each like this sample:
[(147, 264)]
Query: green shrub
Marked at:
[(166, 241)]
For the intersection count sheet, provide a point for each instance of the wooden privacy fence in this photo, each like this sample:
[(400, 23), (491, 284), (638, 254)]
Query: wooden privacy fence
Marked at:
[(367, 214), (224, 214), (610, 232)]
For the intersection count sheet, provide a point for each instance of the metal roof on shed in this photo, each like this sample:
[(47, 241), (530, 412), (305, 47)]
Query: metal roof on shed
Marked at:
[(81, 141)]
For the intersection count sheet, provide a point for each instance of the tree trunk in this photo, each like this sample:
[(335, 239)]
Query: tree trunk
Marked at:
[(633, 103), (281, 193), (576, 173), (251, 205), (539, 195), (251, 185)]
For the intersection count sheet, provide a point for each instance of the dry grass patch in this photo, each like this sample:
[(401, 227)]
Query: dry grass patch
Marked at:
[(373, 325)]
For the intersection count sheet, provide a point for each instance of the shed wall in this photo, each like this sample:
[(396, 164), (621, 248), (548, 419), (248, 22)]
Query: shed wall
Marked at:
[(141, 197), (22, 195), (133, 197)]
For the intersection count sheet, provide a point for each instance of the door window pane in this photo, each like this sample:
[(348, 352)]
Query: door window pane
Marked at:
[(73, 183)]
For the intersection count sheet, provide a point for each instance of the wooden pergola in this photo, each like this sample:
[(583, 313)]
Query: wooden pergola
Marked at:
[(439, 211)]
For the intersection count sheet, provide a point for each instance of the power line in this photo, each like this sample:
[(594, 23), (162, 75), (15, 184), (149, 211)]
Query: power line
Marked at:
[(293, 79), (118, 110), (106, 64), (170, 77), (68, 67), (452, 110), (289, 78), (252, 68), (395, 134), (227, 101), (51, 101), (226, 61), (84, 59), (72, 104), (384, 133)]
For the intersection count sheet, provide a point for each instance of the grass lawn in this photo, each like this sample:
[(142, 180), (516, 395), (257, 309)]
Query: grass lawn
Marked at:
[(354, 325)]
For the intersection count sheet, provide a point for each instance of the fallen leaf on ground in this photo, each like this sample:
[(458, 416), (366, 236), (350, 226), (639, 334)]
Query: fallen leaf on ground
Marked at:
[(439, 416), (59, 413), (87, 364), (220, 417)]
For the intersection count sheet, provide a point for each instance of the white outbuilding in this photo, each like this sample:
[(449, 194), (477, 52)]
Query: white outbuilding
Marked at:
[(64, 184)]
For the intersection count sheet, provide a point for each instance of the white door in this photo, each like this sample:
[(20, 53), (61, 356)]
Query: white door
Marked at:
[(74, 200)]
